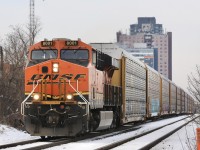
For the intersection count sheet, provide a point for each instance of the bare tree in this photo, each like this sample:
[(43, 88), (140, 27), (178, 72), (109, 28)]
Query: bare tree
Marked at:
[(194, 89), (194, 83), (15, 48)]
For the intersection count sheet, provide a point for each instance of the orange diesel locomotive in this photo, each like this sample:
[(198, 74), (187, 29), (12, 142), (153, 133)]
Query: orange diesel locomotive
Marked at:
[(64, 85)]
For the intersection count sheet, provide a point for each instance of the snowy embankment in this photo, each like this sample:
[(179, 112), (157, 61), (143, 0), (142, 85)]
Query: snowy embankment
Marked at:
[(143, 141), (11, 135), (184, 139)]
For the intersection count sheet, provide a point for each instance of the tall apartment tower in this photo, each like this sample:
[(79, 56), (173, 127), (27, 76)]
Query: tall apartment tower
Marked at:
[(147, 31)]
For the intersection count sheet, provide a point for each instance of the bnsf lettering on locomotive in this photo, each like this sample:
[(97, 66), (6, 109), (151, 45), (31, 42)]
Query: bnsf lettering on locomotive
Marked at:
[(79, 76), (36, 77), (55, 76), (68, 76), (47, 76)]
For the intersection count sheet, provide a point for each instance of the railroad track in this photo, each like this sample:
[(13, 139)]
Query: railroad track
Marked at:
[(28, 142), (46, 143), (146, 145), (92, 143), (19, 143), (42, 144), (50, 142), (113, 140)]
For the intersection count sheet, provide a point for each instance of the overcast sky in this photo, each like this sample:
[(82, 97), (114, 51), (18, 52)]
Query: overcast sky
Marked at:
[(99, 20)]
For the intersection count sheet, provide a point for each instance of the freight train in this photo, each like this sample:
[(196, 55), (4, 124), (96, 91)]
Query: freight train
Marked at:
[(72, 88)]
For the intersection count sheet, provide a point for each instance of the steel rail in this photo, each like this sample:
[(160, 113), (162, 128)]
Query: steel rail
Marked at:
[(123, 141), (19, 143), (154, 143)]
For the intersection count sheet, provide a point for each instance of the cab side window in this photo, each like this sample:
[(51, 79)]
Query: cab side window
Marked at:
[(94, 57)]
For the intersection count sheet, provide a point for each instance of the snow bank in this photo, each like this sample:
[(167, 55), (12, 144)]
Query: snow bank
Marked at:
[(10, 135)]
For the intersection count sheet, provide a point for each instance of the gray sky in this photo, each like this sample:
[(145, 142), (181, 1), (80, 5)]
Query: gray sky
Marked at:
[(99, 20)]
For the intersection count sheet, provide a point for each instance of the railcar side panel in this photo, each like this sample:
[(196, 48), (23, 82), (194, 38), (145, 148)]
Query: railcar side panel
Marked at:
[(153, 92), (191, 105), (135, 90), (172, 98), (189, 101), (178, 104), (165, 96), (186, 102), (182, 101)]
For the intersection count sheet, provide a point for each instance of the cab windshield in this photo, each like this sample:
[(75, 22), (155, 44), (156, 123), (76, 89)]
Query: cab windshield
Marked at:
[(79, 56), (38, 56), (44, 54)]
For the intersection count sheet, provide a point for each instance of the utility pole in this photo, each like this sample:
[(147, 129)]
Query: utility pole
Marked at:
[(32, 21)]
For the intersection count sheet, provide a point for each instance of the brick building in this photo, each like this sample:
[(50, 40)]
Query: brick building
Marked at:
[(147, 31)]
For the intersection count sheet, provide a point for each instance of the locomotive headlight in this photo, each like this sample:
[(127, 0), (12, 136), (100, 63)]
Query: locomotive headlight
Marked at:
[(69, 96), (55, 67), (36, 96)]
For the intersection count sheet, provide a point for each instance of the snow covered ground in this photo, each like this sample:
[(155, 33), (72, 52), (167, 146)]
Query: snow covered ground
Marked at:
[(183, 139), (175, 144), (11, 135)]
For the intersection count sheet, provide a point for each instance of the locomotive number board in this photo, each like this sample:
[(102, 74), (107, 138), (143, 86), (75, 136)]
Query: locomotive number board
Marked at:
[(71, 43), (46, 43)]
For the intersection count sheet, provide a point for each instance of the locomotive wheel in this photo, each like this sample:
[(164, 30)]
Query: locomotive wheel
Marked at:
[(43, 137), (46, 137)]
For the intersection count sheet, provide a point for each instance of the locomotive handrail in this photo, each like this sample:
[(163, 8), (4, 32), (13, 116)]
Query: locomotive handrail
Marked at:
[(85, 100), (23, 103)]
